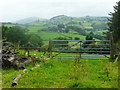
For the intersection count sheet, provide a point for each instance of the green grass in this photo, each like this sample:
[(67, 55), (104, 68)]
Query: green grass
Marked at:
[(100, 32), (65, 73), (53, 35), (75, 35), (8, 75), (85, 56), (9, 25), (35, 28), (49, 35)]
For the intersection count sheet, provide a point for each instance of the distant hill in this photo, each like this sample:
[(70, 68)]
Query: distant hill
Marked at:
[(63, 19), (29, 20), (67, 20), (89, 23), (65, 24)]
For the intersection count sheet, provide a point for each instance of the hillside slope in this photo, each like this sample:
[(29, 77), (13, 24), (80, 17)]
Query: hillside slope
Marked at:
[(29, 20)]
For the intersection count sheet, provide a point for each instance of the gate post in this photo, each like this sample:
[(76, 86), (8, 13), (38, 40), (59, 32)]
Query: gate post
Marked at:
[(111, 50), (80, 49), (50, 49)]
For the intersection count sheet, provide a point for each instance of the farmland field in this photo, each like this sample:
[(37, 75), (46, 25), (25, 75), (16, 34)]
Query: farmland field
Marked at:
[(53, 35)]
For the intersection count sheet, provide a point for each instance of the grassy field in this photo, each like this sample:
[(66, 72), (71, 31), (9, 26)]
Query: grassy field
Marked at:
[(65, 73), (99, 32), (53, 35), (35, 28)]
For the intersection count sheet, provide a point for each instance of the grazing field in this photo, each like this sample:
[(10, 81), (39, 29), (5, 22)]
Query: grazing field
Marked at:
[(65, 73), (99, 32), (35, 28), (53, 35)]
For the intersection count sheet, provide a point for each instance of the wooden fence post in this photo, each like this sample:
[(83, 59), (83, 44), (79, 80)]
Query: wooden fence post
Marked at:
[(50, 48), (80, 49)]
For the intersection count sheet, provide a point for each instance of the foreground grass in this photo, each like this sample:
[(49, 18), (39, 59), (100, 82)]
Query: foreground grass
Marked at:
[(60, 73)]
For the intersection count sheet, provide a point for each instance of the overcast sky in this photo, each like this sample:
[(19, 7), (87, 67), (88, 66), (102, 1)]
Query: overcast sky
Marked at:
[(12, 10)]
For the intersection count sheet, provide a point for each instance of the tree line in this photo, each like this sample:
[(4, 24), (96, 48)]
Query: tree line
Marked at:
[(21, 36)]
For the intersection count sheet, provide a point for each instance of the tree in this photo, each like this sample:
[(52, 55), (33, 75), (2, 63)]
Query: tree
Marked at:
[(61, 27), (78, 29), (114, 31), (14, 34), (67, 29), (91, 34), (114, 23), (52, 28), (35, 40), (17, 34), (5, 32), (99, 26), (86, 43)]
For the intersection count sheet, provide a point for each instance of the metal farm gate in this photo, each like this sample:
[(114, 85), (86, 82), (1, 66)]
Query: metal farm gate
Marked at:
[(82, 49)]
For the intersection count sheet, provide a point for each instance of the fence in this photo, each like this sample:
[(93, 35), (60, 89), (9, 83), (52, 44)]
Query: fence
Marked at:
[(83, 49)]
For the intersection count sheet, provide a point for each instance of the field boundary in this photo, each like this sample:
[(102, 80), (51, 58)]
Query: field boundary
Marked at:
[(83, 49)]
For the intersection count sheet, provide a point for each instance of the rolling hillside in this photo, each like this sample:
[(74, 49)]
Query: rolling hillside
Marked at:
[(29, 20), (81, 26), (87, 23)]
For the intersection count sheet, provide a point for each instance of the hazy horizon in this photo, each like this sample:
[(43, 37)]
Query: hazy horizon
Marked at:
[(49, 18), (19, 9)]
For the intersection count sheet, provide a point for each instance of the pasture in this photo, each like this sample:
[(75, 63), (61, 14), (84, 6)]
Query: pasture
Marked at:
[(65, 73), (53, 35)]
